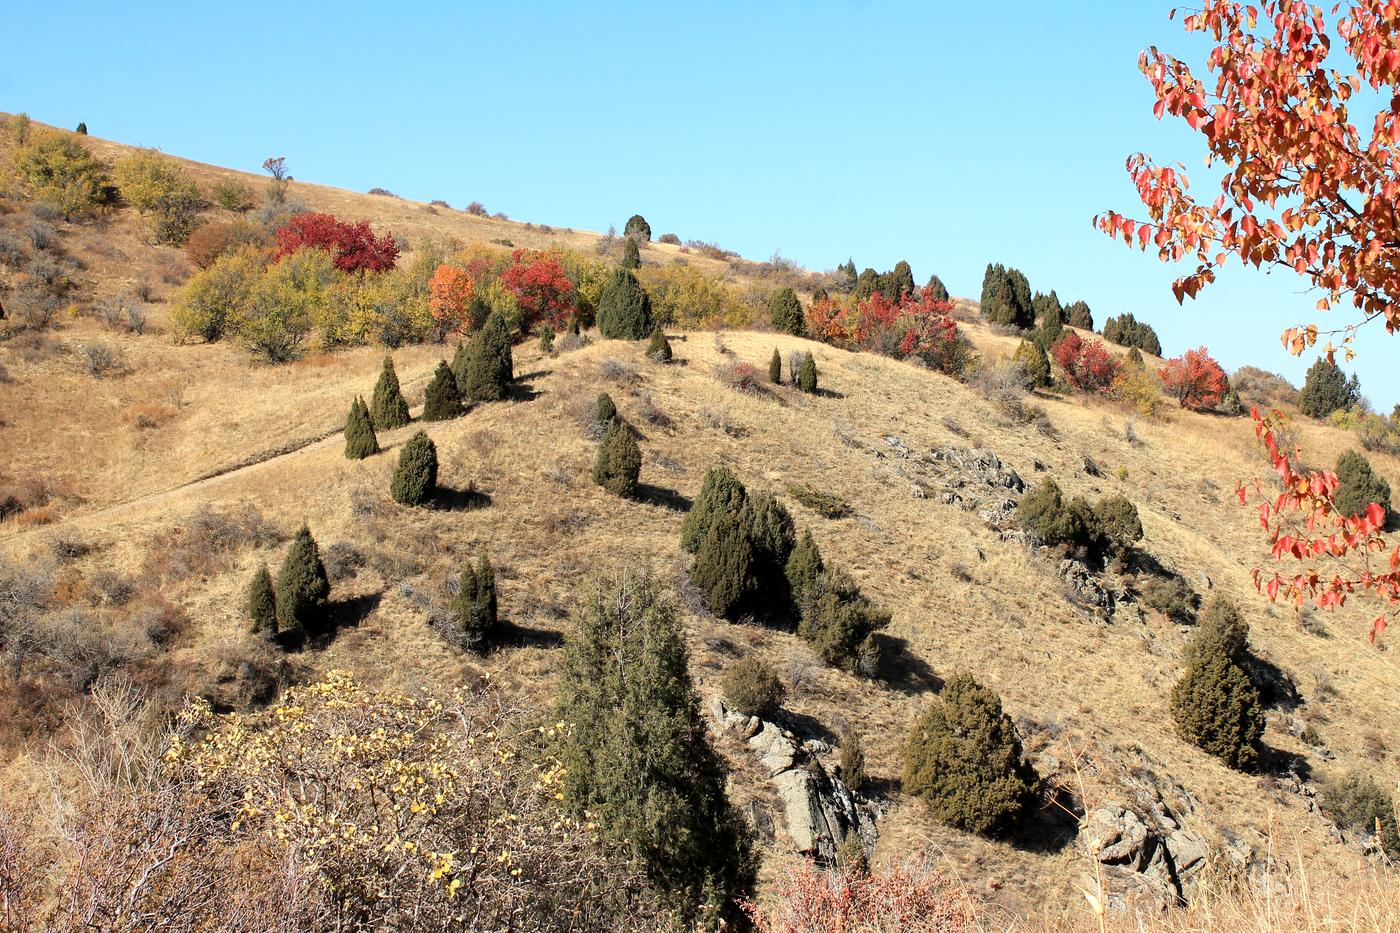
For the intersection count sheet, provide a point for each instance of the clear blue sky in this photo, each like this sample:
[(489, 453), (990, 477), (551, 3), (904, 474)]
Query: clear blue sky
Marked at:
[(946, 134)]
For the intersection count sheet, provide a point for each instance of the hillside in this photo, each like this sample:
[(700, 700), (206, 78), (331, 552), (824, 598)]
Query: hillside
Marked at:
[(135, 461)]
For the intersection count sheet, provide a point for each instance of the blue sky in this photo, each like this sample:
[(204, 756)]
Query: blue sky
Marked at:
[(949, 135)]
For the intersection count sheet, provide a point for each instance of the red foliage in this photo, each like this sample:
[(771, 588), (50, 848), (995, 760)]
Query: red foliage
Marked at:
[(824, 321), (450, 293), (904, 898), (1194, 379), (1087, 365), (1301, 187), (1303, 524), (354, 247), (540, 285), (918, 325)]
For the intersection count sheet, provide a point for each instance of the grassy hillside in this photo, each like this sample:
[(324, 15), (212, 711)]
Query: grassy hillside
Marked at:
[(136, 459)]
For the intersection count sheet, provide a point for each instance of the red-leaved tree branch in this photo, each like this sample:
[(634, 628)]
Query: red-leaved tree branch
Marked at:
[(1307, 185)]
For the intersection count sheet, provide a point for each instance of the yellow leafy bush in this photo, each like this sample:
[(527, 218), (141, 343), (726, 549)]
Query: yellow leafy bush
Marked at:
[(689, 298), (1135, 388)]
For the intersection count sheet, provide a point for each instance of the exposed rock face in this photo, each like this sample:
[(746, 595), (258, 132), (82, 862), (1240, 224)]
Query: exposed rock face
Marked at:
[(970, 478), (1086, 589), (820, 811)]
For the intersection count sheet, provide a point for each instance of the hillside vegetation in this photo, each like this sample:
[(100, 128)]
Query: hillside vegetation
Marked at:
[(152, 477)]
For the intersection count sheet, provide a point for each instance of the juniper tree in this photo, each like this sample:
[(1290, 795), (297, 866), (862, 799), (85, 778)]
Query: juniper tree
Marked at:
[(1047, 308), (867, 284), (631, 255), (1078, 315), (659, 349), (963, 759), (806, 377), (302, 589), (1327, 389), (752, 688), (898, 282), (772, 536), (389, 409), (775, 368), (619, 462), (1035, 362), (720, 494), (546, 339), (840, 622), (604, 410), (1215, 704), (936, 289), (785, 312), (442, 400), (852, 760), (489, 366), (475, 604), (819, 294), (637, 228), (624, 308), (262, 603), (803, 571), (637, 757), (360, 440), (415, 478), (459, 368), (723, 569), (1358, 486), (1117, 523)]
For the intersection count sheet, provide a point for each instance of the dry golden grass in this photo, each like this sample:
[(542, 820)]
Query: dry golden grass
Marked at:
[(961, 598)]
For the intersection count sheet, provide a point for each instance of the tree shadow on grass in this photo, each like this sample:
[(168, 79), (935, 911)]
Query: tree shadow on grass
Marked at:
[(518, 391), (512, 635), (1053, 825), (828, 393), (666, 498), (804, 726), (902, 669), (533, 374), (1280, 763), (1276, 687), (447, 499), (341, 613)]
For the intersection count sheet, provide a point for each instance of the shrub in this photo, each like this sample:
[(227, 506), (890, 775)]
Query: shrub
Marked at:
[(752, 687), (214, 300), (624, 309), (1194, 379), (1117, 521), (963, 759), (389, 409), (1356, 802), (262, 603), (1054, 520), (619, 462), (214, 239), (720, 494), (839, 622), (1034, 362), (1358, 486), (604, 411), (804, 572), (176, 214), (631, 256), (232, 195), (852, 760), (475, 604), (302, 589), (826, 504), (785, 312), (1169, 595), (775, 368), (1134, 387), (739, 375), (442, 400), (540, 288), (659, 348), (637, 756), (807, 373), (360, 441), (670, 238), (1215, 705), (353, 246), (908, 896), (450, 300), (1086, 364), (723, 569), (415, 478), (489, 366), (59, 173), (1125, 330), (283, 306), (546, 339), (1326, 389), (637, 228)]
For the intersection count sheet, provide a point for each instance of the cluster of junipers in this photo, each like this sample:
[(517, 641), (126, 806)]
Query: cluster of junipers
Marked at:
[(636, 755), (1215, 704), (618, 465), (749, 562), (963, 759), (937, 290), (1006, 297), (1108, 528), (360, 440), (415, 478), (624, 308), (659, 348), (1327, 389), (1127, 331), (296, 605), (474, 607), (1358, 486), (442, 399), (785, 313), (484, 368), (388, 410), (893, 285)]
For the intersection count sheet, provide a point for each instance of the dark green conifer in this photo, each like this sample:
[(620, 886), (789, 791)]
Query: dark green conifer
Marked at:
[(937, 290), (659, 349), (546, 339), (898, 282), (624, 308), (262, 603), (1047, 307), (604, 410), (302, 589), (1215, 704), (1035, 362), (489, 365), (818, 294), (637, 228), (475, 604), (785, 312), (619, 462), (459, 368), (807, 373), (720, 494), (360, 440), (840, 622), (963, 759), (389, 409), (1326, 389), (415, 478), (631, 255), (723, 570), (1358, 486), (82, 129), (867, 284), (775, 368), (803, 571), (442, 400), (1078, 315)]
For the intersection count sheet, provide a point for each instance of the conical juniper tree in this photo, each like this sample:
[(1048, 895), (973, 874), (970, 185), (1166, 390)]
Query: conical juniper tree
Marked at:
[(775, 368), (475, 604), (624, 308), (604, 410), (415, 478), (785, 312), (489, 367), (723, 568), (659, 348), (631, 255), (442, 400), (389, 409), (262, 603), (806, 378), (360, 440), (720, 494), (1215, 704), (619, 462), (637, 755), (772, 536), (302, 590)]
